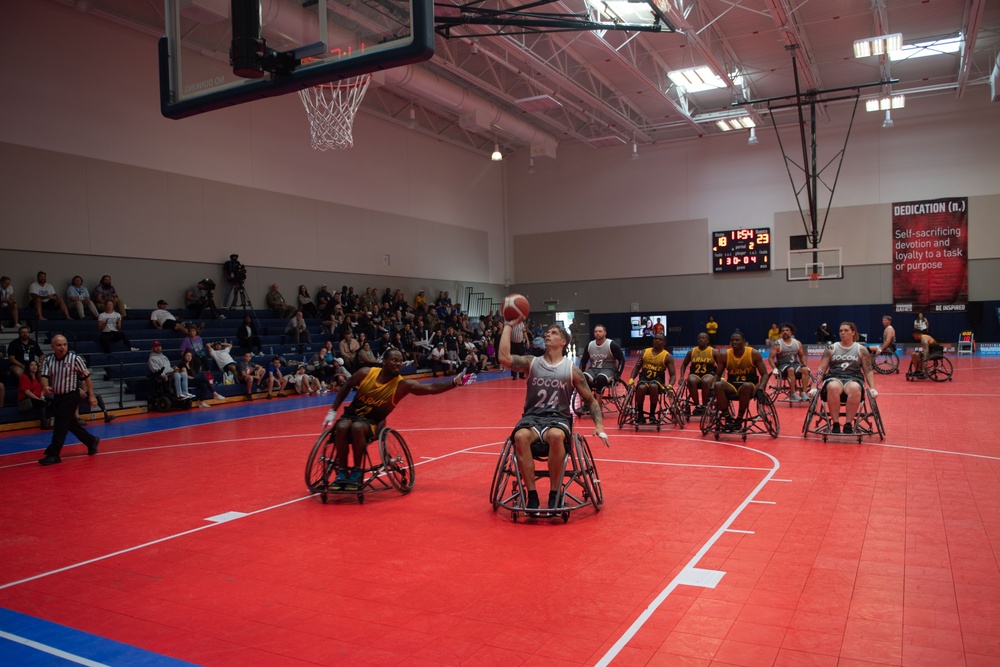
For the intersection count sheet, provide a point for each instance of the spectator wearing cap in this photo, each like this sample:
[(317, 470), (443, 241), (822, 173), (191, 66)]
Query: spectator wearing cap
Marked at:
[(162, 319), (162, 369), (823, 335)]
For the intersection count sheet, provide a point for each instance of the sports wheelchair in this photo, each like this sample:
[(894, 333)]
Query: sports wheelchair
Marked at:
[(393, 469), (761, 417), (610, 398), (937, 367), (886, 362), (779, 389), (868, 420), (670, 409), (163, 397), (581, 485)]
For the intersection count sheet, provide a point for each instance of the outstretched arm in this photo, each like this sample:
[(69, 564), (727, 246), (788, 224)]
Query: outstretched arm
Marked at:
[(439, 387)]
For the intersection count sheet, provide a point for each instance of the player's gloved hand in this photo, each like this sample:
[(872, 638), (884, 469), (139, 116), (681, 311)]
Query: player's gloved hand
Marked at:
[(331, 415), (872, 392), (812, 392), (670, 388), (463, 379), (631, 381), (603, 436), (760, 394), (775, 372)]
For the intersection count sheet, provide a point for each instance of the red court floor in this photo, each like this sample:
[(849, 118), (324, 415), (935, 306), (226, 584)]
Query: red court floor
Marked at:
[(770, 552)]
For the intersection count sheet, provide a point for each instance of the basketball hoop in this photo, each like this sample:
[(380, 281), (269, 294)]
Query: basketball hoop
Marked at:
[(813, 280), (331, 108)]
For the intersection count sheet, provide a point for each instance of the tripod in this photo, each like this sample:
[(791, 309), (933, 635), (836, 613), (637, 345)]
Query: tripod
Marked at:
[(242, 300)]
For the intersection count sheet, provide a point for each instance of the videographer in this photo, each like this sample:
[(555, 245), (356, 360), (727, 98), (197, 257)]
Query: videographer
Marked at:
[(236, 276), (199, 298)]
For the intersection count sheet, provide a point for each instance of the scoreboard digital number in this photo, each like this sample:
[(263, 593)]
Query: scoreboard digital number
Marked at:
[(741, 250)]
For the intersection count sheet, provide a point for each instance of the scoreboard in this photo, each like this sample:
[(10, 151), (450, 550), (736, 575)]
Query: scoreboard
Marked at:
[(741, 250)]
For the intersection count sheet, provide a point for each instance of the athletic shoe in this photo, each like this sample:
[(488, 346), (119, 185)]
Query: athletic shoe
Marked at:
[(354, 479), (338, 483), (92, 449), (553, 498), (835, 429), (848, 429), (532, 503), (698, 411), (218, 397), (135, 349), (203, 404), (795, 398), (49, 460), (108, 418)]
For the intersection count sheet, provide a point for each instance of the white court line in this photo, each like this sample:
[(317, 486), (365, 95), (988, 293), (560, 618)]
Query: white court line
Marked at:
[(51, 650)]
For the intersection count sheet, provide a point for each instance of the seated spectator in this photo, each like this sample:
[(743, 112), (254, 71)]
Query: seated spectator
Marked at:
[(162, 319), (109, 324), (162, 370), (29, 395), (194, 344), (198, 299), (8, 304), (323, 299), (248, 373), (41, 294), (21, 351), (4, 374), (78, 298), (105, 291), (220, 354), (306, 304), (305, 383), (438, 360), (277, 304), (321, 363), (298, 329), (190, 365), (275, 378), (246, 336), (367, 358), (349, 350), (420, 301)]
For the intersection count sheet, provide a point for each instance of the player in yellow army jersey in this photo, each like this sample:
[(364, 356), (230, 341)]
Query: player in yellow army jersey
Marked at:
[(702, 362), (379, 392), (745, 376), (652, 368)]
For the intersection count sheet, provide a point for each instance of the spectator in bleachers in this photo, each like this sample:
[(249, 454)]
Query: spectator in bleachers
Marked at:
[(366, 358), (349, 350), (109, 324), (4, 375), (29, 395), (161, 368), (78, 298), (420, 301), (234, 274), (246, 336), (298, 329), (275, 378), (321, 363), (305, 383), (162, 319), (43, 295), (198, 299), (306, 303), (277, 304), (221, 355), (105, 291), (194, 344), (247, 372), (8, 303), (21, 351), (190, 366), (323, 299)]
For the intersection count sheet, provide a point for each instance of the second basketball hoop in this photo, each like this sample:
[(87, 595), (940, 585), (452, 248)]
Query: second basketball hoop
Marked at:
[(331, 108)]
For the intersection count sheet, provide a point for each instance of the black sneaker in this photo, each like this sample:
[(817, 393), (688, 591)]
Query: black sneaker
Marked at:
[(49, 460), (108, 418), (835, 429), (532, 503), (553, 500), (92, 449), (848, 429)]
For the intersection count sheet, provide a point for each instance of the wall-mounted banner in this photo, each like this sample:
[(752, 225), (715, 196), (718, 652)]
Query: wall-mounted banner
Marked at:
[(930, 255)]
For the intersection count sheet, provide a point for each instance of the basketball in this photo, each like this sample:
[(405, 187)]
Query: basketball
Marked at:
[(515, 308)]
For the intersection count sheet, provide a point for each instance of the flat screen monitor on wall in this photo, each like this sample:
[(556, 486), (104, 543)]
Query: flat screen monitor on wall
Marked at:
[(643, 326)]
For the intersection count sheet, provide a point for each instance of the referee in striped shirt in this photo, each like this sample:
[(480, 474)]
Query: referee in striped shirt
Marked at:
[(63, 373)]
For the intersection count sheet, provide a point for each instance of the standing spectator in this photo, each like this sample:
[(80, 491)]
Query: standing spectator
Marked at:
[(921, 324), (277, 304), (62, 373), (234, 273), (105, 291), (29, 395), (712, 329), (299, 329), (823, 335), (274, 377), (306, 304), (773, 334), (22, 350), (42, 294), (109, 323), (8, 304), (162, 319), (78, 297), (246, 336)]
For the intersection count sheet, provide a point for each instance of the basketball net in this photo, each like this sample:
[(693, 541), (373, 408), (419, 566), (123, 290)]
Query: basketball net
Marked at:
[(331, 108), (813, 280)]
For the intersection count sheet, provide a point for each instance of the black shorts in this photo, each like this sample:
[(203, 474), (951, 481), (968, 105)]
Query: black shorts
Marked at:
[(599, 378), (540, 424), (799, 368), (731, 390), (650, 383), (353, 419)]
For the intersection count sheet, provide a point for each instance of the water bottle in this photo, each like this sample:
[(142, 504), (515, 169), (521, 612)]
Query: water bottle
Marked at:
[(272, 350)]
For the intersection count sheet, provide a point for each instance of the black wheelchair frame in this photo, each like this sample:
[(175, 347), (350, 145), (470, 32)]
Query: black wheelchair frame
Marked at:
[(761, 418), (887, 362), (610, 398), (779, 389), (937, 367), (578, 470), (867, 421), (670, 409), (392, 470)]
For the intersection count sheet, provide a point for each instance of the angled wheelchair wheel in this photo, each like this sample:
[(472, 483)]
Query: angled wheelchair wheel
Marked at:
[(615, 394), (626, 415), (591, 480), (709, 417), (886, 363), (939, 370), (320, 464), (768, 416), (502, 474), (397, 460), (876, 417)]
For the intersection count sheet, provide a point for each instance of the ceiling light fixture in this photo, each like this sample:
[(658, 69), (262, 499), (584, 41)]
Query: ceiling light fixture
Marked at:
[(497, 155), (696, 79), (741, 123), (887, 123), (635, 151), (753, 140), (877, 46), (886, 103)]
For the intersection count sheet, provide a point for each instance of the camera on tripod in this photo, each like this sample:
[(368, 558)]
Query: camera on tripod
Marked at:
[(209, 285)]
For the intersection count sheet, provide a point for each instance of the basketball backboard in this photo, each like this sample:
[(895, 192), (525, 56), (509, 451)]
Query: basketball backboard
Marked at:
[(815, 264), (303, 44)]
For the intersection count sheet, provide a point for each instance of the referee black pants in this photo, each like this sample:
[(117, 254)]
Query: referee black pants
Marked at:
[(518, 350), (64, 421)]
